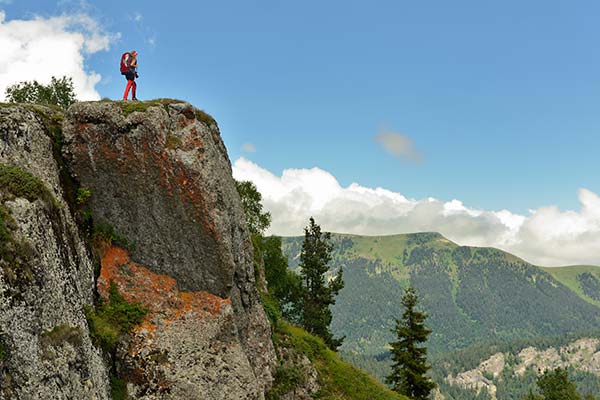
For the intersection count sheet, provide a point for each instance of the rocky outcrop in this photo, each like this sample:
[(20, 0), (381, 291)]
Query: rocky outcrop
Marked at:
[(482, 377), (581, 355), (160, 176), (46, 274)]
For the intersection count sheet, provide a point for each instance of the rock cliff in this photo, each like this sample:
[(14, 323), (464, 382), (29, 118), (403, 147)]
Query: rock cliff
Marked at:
[(46, 274), (160, 178)]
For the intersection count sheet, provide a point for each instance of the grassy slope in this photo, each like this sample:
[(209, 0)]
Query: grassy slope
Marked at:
[(568, 277), (339, 380)]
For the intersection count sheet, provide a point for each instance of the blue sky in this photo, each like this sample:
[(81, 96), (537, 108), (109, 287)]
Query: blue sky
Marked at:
[(500, 99)]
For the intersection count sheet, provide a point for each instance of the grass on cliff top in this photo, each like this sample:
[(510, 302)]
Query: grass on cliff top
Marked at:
[(129, 107), (338, 379)]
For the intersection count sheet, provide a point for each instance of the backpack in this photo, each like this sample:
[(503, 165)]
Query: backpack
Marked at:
[(124, 59)]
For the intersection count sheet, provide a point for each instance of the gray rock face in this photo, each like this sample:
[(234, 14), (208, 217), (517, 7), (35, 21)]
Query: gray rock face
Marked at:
[(46, 349), (162, 178)]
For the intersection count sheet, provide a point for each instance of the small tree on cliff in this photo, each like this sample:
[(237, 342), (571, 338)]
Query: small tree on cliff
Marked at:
[(59, 92), (256, 220), (409, 359), (318, 295)]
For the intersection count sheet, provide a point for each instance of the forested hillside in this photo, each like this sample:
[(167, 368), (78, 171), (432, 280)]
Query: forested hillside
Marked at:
[(472, 295)]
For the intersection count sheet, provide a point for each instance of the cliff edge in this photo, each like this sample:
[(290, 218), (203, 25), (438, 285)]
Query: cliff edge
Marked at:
[(158, 177)]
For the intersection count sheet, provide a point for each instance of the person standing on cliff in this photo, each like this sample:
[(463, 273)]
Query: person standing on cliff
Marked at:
[(128, 68)]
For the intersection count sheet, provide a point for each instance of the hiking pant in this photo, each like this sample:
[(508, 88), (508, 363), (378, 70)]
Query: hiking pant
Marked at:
[(130, 75)]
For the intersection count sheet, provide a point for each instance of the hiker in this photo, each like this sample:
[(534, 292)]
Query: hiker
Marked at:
[(128, 68)]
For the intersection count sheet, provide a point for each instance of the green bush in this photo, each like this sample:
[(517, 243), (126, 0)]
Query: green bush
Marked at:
[(118, 388), (21, 183), (112, 318), (82, 195), (106, 233)]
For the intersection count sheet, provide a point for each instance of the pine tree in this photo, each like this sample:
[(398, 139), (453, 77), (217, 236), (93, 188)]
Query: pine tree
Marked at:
[(409, 359), (555, 385), (317, 294)]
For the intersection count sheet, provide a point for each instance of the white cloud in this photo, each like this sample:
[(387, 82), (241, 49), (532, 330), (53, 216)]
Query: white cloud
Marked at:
[(249, 148), (399, 145), (137, 17), (547, 236), (40, 48)]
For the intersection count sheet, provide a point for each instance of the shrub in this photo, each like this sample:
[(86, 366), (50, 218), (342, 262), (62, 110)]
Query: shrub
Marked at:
[(82, 195), (112, 318), (21, 183), (104, 233)]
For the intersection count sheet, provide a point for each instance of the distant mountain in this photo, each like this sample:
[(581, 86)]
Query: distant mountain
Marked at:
[(472, 295)]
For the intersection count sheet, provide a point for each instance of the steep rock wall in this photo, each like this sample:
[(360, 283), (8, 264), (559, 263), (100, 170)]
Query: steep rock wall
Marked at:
[(45, 348), (160, 175)]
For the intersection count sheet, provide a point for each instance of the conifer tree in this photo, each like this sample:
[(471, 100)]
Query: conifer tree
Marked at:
[(555, 385), (409, 359), (317, 294)]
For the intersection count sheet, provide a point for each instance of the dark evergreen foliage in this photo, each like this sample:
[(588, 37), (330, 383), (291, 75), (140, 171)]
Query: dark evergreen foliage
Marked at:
[(409, 358), (555, 385), (317, 294)]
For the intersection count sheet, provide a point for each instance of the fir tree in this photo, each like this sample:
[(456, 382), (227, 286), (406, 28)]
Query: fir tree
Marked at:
[(555, 385), (317, 294), (409, 359)]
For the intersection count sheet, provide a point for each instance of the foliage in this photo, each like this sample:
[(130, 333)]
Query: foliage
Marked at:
[(206, 118), (256, 220), (472, 295), (59, 92), (21, 183), (285, 381), (338, 380), (590, 285), (317, 295), (555, 385), (409, 358), (82, 195), (16, 254), (104, 233), (284, 285), (112, 318), (118, 388)]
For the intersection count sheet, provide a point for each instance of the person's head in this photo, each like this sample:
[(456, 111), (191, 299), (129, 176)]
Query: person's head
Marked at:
[(133, 53)]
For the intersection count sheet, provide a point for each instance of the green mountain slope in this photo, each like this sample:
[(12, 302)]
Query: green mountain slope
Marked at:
[(472, 295), (582, 279)]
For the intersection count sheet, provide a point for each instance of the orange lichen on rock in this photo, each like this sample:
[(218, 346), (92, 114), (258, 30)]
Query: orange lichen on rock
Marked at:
[(158, 293)]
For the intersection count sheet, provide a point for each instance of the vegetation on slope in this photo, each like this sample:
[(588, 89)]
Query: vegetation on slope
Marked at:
[(471, 295), (338, 379), (581, 279)]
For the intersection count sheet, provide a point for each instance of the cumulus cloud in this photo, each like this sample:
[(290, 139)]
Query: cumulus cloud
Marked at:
[(40, 48), (399, 145), (547, 236), (249, 148)]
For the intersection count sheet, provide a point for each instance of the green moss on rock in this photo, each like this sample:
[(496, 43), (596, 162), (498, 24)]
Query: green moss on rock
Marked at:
[(20, 183)]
